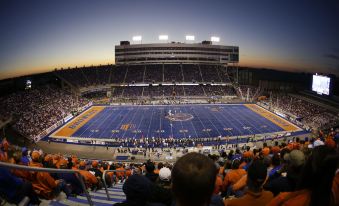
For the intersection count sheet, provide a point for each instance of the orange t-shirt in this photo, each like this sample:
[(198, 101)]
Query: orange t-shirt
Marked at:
[(218, 185), (240, 184), (300, 198), (251, 198), (335, 188), (90, 179), (232, 177), (42, 181), (266, 151), (248, 154), (275, 150)]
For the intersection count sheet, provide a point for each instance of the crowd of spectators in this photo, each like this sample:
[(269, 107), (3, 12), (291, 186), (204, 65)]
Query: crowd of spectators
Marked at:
[(108, 74), (173, 91), (310, 114), (299, 172), (35, 110)]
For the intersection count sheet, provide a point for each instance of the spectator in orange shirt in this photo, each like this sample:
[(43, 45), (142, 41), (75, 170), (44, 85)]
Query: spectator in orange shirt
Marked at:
[(16, 159), (218, 181), (265, 151), (43, 183), (314, 187), (255, 196), (275, 149), (248, 153), (330, 142), (90, 180), (3, 153), (233, 176), (120, 173), (335, 188)]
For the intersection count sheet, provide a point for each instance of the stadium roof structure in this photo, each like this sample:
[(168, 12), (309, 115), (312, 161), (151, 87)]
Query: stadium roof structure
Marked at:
[(175, 52)]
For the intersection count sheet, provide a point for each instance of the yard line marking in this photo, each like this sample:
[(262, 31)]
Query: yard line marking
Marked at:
[(231, 123), (218, 120), (149, 125), (201, 124), (118, 125), (195, 131)]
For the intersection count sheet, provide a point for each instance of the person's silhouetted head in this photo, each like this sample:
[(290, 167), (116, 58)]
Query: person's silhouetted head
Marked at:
[(193, 179)]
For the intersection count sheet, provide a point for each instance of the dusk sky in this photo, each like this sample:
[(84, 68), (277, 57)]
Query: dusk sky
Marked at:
[(38, 36)]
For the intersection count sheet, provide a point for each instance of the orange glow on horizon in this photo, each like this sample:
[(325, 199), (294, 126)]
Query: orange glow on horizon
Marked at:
[(244, 62)]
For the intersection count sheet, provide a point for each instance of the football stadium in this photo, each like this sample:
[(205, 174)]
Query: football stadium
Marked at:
[(173, 121)]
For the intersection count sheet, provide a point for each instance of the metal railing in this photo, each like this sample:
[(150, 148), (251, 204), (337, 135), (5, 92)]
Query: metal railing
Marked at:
[(38, 169), (104, 179)]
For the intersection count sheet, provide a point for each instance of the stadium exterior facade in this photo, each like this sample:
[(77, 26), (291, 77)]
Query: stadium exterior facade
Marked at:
[(175, 53)]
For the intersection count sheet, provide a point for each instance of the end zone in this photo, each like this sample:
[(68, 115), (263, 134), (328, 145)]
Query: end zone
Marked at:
[(71, 127), (286, 125)]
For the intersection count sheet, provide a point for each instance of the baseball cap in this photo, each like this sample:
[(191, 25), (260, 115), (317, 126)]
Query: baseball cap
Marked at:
[(317, 143), (296, 158), (63, 162), (35, 155), (48, 158), (257, 171), (95, 163), (165, 174)]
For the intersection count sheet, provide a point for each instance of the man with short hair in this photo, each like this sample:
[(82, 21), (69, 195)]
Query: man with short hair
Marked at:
[(255, 195), (193, 179)]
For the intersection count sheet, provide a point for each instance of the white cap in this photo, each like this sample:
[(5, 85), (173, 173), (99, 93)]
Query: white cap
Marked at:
[(165, 174), (318, 143)]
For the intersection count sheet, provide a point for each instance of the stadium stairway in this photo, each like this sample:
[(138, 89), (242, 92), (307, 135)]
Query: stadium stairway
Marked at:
[(99, 198)]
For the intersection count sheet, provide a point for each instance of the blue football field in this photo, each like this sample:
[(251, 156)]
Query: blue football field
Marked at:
[(177, 121)]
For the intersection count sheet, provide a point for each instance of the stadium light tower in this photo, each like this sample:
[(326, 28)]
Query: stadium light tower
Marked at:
[(137, 39), (215, 39), (163, 37), (190, 38)]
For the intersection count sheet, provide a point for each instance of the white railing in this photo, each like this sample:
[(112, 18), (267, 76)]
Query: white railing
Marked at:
[(104, 179)]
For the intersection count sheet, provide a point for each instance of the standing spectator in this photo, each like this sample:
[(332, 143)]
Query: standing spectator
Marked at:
[(289, 175), (138, 190), (315, 183)]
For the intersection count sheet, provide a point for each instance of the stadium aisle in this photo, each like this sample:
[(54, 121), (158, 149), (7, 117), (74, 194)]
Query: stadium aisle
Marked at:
[(99, 198)]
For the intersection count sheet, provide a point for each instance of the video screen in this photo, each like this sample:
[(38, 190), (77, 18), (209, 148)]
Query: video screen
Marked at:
[(321, 84)]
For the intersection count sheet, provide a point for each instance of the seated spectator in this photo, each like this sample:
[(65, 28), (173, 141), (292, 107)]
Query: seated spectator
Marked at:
[(276, 165), (95, 170), (14, 189), (90, 180), (315, 183), (335, 188), (138, 191), (161, 192), (232, 176), (25, 158), (275, 149), (150, 171), (43, 183), (70, 179), (120, 174), (288, 176), (255, 196), (193, 179)]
